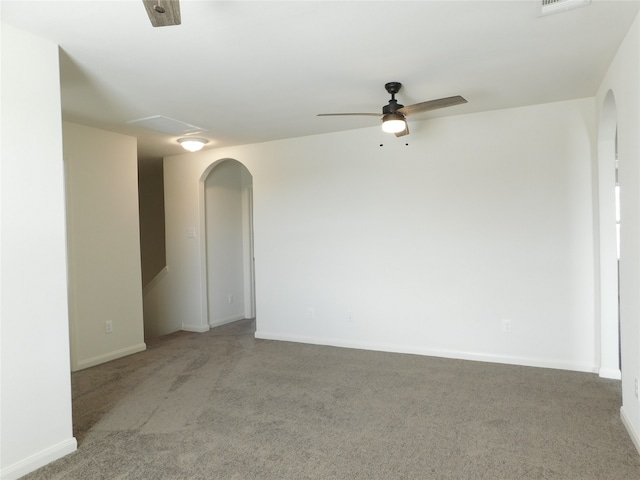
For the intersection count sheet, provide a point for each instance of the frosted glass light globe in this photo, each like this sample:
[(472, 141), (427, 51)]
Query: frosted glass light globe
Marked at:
[(192, 144)]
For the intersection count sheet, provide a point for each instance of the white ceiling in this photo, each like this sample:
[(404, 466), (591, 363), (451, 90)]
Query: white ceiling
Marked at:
[(253, 71)]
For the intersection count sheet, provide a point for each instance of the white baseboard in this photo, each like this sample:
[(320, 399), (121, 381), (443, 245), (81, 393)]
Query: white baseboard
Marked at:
[(215, 323), (612, 373), (107, 357), (633, 433), (224, 321), (40, 459), (195, 328), (453, 354)]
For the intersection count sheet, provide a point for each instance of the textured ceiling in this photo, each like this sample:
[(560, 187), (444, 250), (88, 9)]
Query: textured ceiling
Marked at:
[(253, 71)]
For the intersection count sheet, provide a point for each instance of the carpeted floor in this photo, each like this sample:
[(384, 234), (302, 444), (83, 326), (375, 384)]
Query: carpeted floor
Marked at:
[(223, 405)]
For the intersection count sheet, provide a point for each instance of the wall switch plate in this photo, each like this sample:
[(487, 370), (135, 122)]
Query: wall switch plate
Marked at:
[(108, 326)]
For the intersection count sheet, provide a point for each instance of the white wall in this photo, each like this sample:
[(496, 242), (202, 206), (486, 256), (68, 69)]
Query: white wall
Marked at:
[(104, 245), (179, 294), (35, 390), (424, 248), (623, 80)]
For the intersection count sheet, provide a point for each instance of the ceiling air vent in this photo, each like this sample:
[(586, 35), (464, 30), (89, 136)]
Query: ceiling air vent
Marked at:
[(556, 6)]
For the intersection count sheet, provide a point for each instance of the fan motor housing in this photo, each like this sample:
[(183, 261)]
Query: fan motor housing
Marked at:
[(392, 107)]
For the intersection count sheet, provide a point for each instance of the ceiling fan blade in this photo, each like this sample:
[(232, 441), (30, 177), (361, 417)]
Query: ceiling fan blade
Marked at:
[(163, 13), (432, 105), (404, 132), (346, 114)]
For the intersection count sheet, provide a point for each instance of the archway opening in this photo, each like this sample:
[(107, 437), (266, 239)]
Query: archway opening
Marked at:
[(228, 243)]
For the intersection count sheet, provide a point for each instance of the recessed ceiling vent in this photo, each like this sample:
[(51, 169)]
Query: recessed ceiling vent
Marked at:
[(557, 6)]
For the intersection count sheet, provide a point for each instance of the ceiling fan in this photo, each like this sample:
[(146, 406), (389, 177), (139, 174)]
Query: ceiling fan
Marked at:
[(393, 114), (163, 13)]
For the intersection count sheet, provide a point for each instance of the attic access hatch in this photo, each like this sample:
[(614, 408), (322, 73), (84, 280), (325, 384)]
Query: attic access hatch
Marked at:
[(163, 124), (549, 7)]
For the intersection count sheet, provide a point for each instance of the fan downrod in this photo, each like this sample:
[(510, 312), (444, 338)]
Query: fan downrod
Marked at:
[(392, 107)]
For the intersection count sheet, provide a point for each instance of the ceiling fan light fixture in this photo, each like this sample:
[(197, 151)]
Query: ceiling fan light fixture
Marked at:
[(393, 123), (192, 144)]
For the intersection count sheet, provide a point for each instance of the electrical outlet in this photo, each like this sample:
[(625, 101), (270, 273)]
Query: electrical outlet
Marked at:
[(230, 298), (108, 326), (636, 388), (506, 325), (311, 313)]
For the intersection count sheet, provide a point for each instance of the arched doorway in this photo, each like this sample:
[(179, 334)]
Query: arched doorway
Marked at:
[(228, 243), (609, 225)]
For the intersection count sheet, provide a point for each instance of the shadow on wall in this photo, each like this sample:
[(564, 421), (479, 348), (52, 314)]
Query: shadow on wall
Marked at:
[(152, 224)]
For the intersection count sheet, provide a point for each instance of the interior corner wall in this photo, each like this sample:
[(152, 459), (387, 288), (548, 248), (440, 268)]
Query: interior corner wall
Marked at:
[(35, 388), (430, 244), (105, 283), (623, 80)]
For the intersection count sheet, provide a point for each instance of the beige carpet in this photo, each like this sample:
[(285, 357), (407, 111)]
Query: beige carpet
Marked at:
[(223, 405)]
